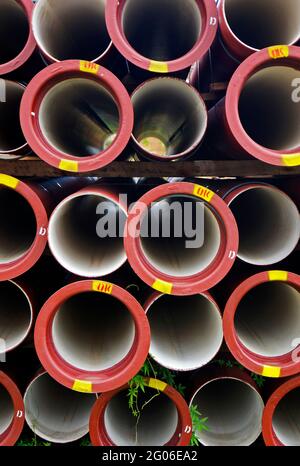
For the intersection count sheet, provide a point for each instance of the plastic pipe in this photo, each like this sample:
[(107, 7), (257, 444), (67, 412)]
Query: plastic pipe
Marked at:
[(92, 351), (12, 411)]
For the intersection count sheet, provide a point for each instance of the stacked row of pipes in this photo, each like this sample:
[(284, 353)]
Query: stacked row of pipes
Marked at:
[(85, 83)]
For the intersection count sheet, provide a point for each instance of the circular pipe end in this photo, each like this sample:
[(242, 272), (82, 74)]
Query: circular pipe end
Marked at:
[(12, 411)]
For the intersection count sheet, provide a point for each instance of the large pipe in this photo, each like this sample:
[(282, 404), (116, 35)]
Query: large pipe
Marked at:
[(73, 236), (260, 114), (11, 412), (262, 323), (16, 314), (186, 331), (55, 413), (268, 222), (155, 36), (281, 418), (233, 406), (165, 420), (92, 336), (76, 116), (17, 42), (170, 119), (12, 140), (71, 29), (163, 258)]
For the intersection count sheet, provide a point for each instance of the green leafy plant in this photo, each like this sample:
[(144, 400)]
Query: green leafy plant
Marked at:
[(85, 442), (199, 425), (34, 442), (258, 379)]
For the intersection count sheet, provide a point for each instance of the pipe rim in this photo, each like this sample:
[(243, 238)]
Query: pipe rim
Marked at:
[(207, 278), (288, 56), (269, 436), (278, 366), (83, 380), (185, 153), (182, 436), (33, 97), (208, 10), (12, 434), (30, 46), (23, 264), (152, 299)]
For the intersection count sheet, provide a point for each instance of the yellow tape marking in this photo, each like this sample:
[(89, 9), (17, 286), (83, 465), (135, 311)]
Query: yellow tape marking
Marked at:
[(203, 192), (88, 67), (278, 51), (157, 384), (68, 165), (158, 66), (278, 275), (271, 371), (82, 386), (9, 181), (102, 287), (163, 287), (291, 160)]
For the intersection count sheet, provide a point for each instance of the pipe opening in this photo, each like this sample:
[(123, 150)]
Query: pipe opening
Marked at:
[(168, 251), (268, 223), (267, 110), (18, 225), (186, 332), (74, 240), (157, 424), (286, 419), (234, 410), (93, 331), (260, 24), (15, 314), (78, 116), (56, 413), (11, 135), (14, 30), (7, 409), (170, 117), (267, 319), (160, 29), (71, 29)]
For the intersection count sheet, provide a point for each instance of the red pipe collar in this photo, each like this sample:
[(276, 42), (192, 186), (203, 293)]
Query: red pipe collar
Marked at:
[(205, 279), (114, 19), (13, 269), (182, 436), (270, 438), (13, 432), (280, 366), (33, 97), (30, 46), (272, 56), (83, 380)]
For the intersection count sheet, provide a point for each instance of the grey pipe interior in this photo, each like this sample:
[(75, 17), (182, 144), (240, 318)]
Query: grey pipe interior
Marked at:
[(286, 419), (169, 254), (17, 227), (162, 29), (15, 314), (71, 29), (93, 331), (14, 30), (186, 331), (79, 117), (6, 409), (55, 413), (269, 225), (267, 110), (234, 410), (11, 136), (267, 319), (74, 240), (170, 116), (156, 426), (262, 23)]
